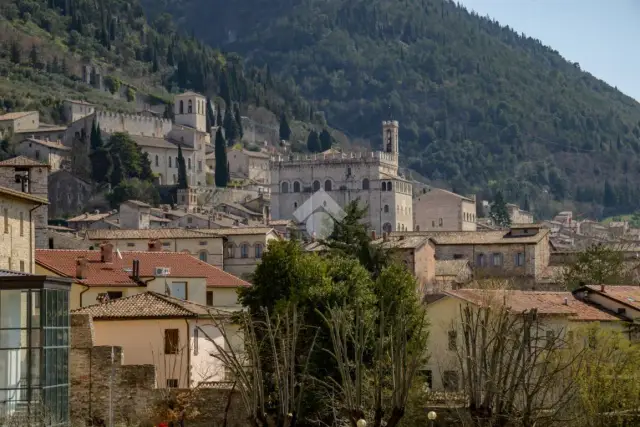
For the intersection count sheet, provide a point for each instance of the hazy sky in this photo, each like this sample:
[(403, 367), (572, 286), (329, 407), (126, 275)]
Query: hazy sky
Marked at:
[(601, 35)]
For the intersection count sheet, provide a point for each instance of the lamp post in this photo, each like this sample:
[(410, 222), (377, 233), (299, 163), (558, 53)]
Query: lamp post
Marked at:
[(361, 423), (432, 417)]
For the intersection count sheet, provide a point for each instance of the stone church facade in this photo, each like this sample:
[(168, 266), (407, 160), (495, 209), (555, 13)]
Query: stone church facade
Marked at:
[(370, 177)]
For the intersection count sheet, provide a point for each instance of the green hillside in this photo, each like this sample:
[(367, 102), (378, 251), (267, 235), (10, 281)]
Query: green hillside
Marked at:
[(480, 106)]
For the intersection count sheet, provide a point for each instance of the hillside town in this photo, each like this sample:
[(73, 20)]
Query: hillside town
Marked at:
[(118, 313)]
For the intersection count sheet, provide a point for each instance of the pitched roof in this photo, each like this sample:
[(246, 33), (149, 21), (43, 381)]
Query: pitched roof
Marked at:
[(10, 192), (404, 242), (241, 208), (237, 231), (118, 272), (16, 115), (146, 234), (446, 192), (190, 93), (629, 295), (149, 305), (23, 162), (89, 217), (56, 145), (150, 141), (498, 237), (138, 203), (546, 303), (450, 267)]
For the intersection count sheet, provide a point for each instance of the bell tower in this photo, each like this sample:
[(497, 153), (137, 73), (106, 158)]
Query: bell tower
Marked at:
[(190, 110), (390, 136)]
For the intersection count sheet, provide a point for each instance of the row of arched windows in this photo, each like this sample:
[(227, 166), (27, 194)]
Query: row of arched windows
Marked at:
[(297, 187), (245, 250), (200, 107), (399, 209)]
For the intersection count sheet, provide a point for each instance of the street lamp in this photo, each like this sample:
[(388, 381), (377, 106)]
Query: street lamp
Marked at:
[(361, 423), (432, 417)]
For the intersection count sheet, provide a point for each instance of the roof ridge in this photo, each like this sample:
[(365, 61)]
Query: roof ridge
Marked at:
[(173, 300)]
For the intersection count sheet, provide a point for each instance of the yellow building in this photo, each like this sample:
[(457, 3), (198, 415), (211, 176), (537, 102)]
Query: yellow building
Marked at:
[(17, 230), (560, 311), (109, 274)]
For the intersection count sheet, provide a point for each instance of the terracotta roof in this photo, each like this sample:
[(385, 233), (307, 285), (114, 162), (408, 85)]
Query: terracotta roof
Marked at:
[(629, 295), (23, 161), (150, 141), (56, 145), (16, 115), (241, 208), (446, 192), (451, 267), (408, 242), (118, 272), (88, 217), (138, 203), (150, 305), (153, 218), (498, 237), (547, 303), (237, 231), (190, 93), (10, 192), (151, 233), (281, 222)]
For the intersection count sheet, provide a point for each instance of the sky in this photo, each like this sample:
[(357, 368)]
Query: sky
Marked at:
[(601, 35)]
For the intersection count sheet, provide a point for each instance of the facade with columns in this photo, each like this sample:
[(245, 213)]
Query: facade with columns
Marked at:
[(371, 177)]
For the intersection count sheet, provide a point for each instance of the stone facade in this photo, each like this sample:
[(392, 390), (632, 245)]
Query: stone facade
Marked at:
[(134, 215), (441, 210), (76, 110), (250, 165), (91, 371), (68, 194), (518, 216), (370, 177), (52, 153)]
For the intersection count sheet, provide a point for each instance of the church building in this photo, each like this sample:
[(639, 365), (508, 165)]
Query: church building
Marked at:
[(370, 177)]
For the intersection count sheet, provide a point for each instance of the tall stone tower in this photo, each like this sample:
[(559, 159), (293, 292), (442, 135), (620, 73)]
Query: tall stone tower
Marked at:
[(190, 109), (29, 176), (390, 136)]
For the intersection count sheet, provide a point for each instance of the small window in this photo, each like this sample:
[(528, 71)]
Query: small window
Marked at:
[(258, 249), (37, 154), (190, 107), (440, 222), (199, 165), (157, 160), (244, 251), (189, 163), (203, 243), (316, 185), (389, 186), (433, 224), (172, 382), (189, 220), (384, 186), (195, 341), (296, 187), (210, 298), (550, 334), (450, 380), (203, 256), (130, 244), (285, 187), (22, 266), (480, 260), (428, 378), (519, 259), (171, 341), (348, 171), (169, 161), (496, 260), (453, 340), (458, 256), (327, 185), (21, 223), (114, 295), (386, 208), (166, 244), (231, 252), (181, 107), (51, 243), (365, 184)]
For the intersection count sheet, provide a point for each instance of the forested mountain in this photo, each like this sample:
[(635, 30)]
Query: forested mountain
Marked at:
[(480, 105), (44, 45)]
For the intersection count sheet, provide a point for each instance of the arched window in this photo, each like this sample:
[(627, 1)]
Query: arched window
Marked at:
[(295, 205), (480, 260), (157, 161), (258, 249), (386, 208), (189, 162), (169, 161), (203, 256), (389, 186), (231, 250), (296, 187), (386, 227), (285, 187), (384, 186), (327, 185), (316, 185), (365, 184), (244, 250), (181, 107), (190, 107), (177, 164)]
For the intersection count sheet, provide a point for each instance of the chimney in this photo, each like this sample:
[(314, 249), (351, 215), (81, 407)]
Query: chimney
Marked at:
[(136, 269), (82, 267), (566, 301), (106, 252), (385, 236), (373, 234), (602, 288), (154, 245)]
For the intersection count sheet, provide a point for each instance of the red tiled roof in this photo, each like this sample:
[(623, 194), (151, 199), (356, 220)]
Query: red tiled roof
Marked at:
[(23, 161), (118, 272), (548, 303), (629, 295)]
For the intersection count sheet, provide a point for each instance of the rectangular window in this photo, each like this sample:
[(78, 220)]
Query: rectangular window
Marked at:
[(244, 251), (195, 341), (21, 224), (453, 340), (172, 383), (6, 221), (519, 259), (458, 256), (130, 244), (203, 243), (496, 260), (189, 220), (450, 380), (210, 298), (166, 243), (258, 250), (171, 341), (22, 266), (114, 295), (550, 336), (428, 378)]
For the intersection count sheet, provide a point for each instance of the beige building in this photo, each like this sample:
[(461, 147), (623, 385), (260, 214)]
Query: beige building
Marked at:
[(417, 253), (171, 334), (75, 110), (118, 274), (561, 312), (17, 229), (522, 251), (134, 215), (518, 216), (52, 153), (26, 124), (252, 165), (441, 210), (452, 274), (371, 177)]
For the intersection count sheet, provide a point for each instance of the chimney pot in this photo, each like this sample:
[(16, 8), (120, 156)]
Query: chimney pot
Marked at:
[(106, 252), (566, 301), (373, 234), (82, 265)]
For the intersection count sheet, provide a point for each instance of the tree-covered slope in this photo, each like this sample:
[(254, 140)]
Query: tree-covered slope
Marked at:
[(480, 105)]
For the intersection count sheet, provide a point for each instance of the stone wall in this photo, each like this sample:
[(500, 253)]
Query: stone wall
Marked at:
[(91, 372)]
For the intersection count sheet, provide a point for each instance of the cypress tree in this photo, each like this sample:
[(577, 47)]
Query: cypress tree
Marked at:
[(230, 127), (238, 119), (218, 116), (117, 173), (326, 141), (182, 170), (313, 142), (222, 165), (499, 213), (285, 130)]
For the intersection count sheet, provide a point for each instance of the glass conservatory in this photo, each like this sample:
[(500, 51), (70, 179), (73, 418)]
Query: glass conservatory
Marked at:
[(34, 350)]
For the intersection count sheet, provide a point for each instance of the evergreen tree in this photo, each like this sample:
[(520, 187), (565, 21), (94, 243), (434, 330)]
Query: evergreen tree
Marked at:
[(222, 165), (211, 118), (95, 137), (16, 53), (218, 116), (499, 213), (117, 172), (146, 173), (610, 198), (230, 127), (313, 142), (33, 56), (101, 165), (526, 205), (285, 130), (326, 141), (238, 119), (182, 170), (225, 91)]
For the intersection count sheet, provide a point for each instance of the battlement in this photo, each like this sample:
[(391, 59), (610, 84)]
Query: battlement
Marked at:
[(371, 156), (111, 115)]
